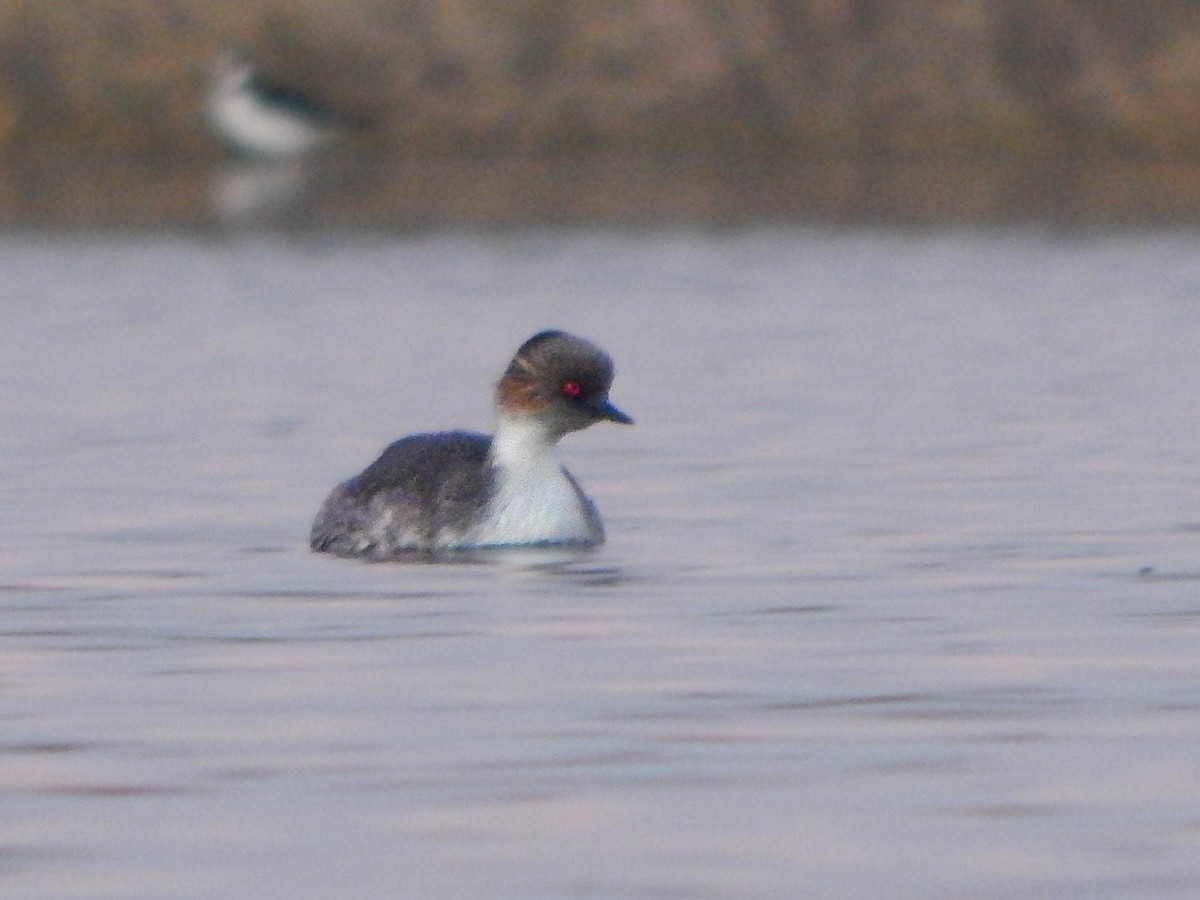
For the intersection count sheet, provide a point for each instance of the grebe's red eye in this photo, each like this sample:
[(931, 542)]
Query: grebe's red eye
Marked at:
[(571, 389)]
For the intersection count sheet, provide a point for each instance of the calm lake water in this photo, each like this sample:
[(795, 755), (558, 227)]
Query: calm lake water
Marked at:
[(901, 596)]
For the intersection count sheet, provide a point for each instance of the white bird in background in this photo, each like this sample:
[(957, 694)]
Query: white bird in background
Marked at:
[(263, 119)]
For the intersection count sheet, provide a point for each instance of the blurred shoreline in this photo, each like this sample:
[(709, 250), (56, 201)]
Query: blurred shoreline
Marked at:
[(349, 193), (1070, 111)]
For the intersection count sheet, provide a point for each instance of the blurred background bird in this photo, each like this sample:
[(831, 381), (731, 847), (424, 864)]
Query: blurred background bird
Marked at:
[(261, 118)]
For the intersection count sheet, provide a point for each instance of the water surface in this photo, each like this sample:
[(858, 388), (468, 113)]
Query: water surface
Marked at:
[(900, 597)]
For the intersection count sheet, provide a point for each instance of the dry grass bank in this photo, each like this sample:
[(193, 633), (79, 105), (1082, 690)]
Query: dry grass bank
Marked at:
[(811, 78)]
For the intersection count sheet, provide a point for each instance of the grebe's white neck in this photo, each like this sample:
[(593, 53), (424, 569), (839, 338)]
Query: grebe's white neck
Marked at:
[(535, 500), (521, 441)]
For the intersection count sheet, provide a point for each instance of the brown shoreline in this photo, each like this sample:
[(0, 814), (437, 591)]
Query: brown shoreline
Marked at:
[(349, 193), (806, 79), (1074, 112)]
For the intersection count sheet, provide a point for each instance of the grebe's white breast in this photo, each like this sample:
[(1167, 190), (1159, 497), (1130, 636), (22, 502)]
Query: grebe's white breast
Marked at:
[(535, 499)]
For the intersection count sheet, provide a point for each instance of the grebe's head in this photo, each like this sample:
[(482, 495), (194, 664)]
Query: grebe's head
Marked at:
[(560, 381)]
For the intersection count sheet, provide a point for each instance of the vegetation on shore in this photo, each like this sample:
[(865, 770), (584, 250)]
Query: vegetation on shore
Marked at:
[(881, 79)]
